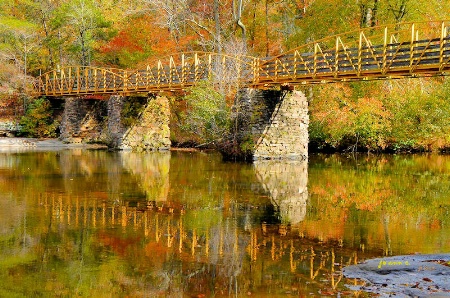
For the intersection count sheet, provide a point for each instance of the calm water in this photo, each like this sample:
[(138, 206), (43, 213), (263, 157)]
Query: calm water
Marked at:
[(121, 224)]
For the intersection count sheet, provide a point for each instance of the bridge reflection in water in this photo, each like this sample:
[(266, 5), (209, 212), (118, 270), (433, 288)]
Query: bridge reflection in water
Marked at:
[(246, 246)]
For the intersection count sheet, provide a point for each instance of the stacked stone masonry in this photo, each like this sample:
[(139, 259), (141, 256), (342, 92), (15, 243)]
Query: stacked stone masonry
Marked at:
[(87, 121), (270, 124), (151, 131), (82, 120), (276, 122)]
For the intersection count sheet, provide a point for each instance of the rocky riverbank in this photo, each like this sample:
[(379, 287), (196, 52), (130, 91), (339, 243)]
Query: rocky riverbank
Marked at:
[(404, 276)]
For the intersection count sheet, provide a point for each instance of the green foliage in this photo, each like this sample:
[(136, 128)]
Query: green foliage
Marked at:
[(421, 113), (207, 114), (83, 24), (38, 120), (334, 18), (131, 110), (401, 115), (247, 146)]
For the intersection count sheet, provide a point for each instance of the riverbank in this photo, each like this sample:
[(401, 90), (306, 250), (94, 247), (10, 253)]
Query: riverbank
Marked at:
[(8, 143), (42, 144)]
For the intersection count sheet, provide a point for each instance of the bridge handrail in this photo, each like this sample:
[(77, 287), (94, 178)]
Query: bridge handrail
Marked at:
[(107, 69), (359, 31), (323, 59), (236, 57), (54, 80)]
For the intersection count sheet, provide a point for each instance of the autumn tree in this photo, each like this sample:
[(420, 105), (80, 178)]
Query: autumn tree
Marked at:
[(398, 9), (42, 12), (238, 7), (38, 120), (207, 113), (18, 43), (172, 15), (81, 24)]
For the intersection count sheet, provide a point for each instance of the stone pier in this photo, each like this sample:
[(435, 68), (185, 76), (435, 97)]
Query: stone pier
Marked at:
[(100, 121), (269, 124), (115, 129), (151, 130), (82, 120)]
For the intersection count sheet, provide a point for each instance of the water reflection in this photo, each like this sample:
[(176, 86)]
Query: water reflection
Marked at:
[(286, 182), (88, 223), (151, 171)]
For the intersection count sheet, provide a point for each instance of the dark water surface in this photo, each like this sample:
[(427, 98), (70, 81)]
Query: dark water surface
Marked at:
[(122, 224)]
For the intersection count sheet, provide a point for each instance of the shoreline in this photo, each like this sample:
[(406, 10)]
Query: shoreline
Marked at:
[(42, 144), (36, 144)]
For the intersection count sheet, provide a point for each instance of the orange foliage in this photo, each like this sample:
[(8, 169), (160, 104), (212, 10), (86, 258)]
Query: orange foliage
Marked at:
[(121, 42), (144, 36)]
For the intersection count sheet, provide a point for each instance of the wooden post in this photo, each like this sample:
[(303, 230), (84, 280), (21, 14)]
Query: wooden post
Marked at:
[(336, 57), (183, 70), (125, 81), (411, 49), (442, 46), (361, 34), (316, 45), (383, 70), (55, 77), (172, 70), (196, 63)]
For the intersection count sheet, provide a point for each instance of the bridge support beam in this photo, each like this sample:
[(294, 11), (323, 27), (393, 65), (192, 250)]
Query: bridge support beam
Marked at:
[(269, 124)]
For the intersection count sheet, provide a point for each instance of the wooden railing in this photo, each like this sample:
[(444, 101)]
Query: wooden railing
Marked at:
[(396, 51), (173, 73), (388, 52)]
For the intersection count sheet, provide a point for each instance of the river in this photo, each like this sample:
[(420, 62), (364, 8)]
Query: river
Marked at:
[(186, 224)]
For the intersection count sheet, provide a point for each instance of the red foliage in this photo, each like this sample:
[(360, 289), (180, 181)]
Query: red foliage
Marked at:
[(11, 106), (123, 41)]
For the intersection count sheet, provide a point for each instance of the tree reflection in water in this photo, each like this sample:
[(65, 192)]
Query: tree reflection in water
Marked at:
[(175, 224)]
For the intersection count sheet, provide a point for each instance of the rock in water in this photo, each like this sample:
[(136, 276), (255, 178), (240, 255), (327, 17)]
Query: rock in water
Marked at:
[(410, 275)]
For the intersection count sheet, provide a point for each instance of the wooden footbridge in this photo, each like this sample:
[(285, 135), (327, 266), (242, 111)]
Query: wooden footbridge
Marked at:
[(396, 51)]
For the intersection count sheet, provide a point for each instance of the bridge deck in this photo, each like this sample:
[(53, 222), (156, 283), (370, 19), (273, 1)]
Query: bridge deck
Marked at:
[(391, 54)]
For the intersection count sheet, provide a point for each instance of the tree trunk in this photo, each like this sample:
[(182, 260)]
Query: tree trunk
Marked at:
[(217, 26), (237, 7), (374, 13), (267, 29), (369, 14)]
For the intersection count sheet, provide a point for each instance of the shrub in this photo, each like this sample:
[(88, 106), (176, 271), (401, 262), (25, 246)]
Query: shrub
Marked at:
[(207, 114), (38, 120)]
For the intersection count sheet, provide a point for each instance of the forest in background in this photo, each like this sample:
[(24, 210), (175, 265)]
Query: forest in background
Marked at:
[(410, 114)]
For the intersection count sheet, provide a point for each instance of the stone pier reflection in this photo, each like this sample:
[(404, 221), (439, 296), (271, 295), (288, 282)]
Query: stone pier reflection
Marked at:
[(152, 172), (286, 182)]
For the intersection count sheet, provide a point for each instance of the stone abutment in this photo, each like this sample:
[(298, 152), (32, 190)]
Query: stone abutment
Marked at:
[(99, 121), (269, 124)]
